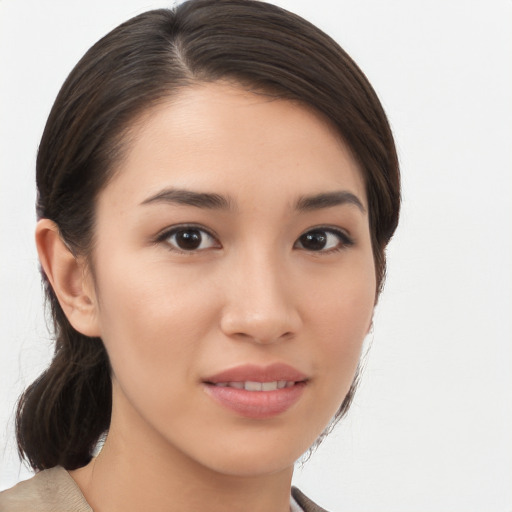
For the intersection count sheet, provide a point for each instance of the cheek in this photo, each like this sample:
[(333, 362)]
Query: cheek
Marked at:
[(149, 319), (153, 327), (342, 314), (342, 335)]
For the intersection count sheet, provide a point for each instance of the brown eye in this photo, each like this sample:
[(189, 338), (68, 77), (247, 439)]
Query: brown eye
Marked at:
[(314, 240), (323, 240), (190, 239)]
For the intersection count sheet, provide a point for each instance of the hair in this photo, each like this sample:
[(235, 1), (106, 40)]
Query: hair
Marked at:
[(144, 61)]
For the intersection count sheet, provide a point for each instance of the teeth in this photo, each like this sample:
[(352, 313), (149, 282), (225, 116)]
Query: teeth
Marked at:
[(257, 386), (253, 386), (269, 386)]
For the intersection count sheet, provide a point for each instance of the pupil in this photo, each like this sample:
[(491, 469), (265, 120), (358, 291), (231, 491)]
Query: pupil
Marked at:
[(314, 240), (189, 239)]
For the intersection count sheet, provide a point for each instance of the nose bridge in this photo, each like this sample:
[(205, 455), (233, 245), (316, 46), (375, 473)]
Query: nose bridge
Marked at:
[(259, 305)]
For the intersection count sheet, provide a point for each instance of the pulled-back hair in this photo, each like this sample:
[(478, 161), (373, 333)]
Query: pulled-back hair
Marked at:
[(146, 60)]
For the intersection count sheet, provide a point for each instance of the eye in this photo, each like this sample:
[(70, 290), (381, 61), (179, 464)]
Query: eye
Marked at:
[(189, 238), (323, 240)]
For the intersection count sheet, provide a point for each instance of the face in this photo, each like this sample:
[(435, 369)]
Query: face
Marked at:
[(234, 280)]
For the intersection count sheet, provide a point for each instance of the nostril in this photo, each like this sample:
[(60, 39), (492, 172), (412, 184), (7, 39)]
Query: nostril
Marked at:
[(264, 339), (260, 319)]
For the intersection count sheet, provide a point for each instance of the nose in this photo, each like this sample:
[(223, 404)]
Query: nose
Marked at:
[(259, 303)]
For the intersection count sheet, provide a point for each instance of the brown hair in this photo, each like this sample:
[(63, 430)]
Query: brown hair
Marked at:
[(61, 416)]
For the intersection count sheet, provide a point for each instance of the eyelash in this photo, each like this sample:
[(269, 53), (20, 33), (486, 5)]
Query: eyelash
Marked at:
[(344, 239), (165, 235)]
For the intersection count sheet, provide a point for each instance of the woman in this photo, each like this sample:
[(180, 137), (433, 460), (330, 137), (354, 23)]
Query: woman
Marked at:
[(217, 185)]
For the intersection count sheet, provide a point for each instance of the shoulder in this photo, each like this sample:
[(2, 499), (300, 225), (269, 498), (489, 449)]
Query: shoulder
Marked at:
[(48, 491), (305, 503)]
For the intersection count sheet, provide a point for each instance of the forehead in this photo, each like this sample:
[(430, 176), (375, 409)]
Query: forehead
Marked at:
[(222, 138)]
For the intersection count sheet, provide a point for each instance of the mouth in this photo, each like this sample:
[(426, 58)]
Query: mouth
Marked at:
[(250, 385), (257, 392), (277, 375)]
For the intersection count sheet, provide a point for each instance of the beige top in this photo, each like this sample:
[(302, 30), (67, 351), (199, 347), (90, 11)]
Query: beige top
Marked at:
[(53, 490)]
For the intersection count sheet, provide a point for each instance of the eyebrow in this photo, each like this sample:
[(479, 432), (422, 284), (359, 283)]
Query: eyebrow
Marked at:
[(190, 198), (214, 201), (328, 200)]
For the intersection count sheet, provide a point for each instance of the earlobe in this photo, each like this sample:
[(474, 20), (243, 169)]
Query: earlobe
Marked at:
[(69, 279)]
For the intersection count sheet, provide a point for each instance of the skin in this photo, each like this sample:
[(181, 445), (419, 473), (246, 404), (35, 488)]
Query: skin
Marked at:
[(252, 293)]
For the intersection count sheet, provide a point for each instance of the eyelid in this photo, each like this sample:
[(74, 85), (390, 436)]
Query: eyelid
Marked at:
[(167, 232), (346, 240)]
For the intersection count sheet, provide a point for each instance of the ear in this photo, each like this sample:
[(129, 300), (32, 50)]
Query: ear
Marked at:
[(69, 277)]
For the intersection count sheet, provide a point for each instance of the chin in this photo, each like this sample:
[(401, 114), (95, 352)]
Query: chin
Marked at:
[(265, 454), (251, 465)]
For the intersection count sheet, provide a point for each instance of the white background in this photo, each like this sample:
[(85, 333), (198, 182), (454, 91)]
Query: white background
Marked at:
[(431, 428)]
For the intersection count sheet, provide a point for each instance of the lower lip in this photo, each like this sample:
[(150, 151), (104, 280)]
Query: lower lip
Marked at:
[(256, 404)]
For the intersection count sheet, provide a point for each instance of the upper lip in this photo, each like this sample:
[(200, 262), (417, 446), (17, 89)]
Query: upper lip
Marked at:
[(255, 373)]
